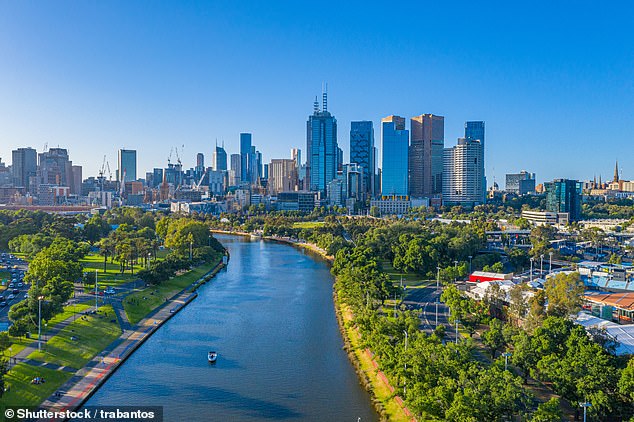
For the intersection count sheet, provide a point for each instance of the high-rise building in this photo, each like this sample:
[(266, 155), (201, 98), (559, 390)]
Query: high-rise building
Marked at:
[(235, 174), (322, 151), (54, 168), (245, 157), (126, 171), (521, 183), (75, 181), (23, 166), (362, 152), (426, 155), (296, 155), (395, 145), (200, 160), (475, 131), (282, 176), (219, 159), (463, 170), (564, 195), (157, 178)]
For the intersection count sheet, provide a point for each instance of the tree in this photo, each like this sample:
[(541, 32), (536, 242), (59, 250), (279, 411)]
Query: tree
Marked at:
[(564, 293), (493, 338), (626, 382), (4, 368), (536, 311), (548, 412)]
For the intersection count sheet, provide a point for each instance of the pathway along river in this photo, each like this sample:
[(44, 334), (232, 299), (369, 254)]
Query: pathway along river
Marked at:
[(271, 318)]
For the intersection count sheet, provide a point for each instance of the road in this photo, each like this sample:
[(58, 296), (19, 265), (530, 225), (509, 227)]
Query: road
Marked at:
[(427, 300)]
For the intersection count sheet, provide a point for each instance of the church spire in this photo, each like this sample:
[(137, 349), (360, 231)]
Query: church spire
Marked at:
[(616, 172)]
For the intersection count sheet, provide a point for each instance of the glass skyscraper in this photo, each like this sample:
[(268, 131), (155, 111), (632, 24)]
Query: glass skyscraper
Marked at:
[(245, 155), (395, 146), (127, 165), (426, 155), (362, 152), (23, 166), (322, 150), (475, 131), (219, 159), (564, 195)]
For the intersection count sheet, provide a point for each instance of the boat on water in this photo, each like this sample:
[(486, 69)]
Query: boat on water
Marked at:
[(212, 356)]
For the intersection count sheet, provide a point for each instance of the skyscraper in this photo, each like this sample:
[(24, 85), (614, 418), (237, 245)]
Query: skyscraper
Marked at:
[(235, 174), (426, 155), (55, 168), (126, 172), (282, 176), (245, 157), (23, 166), (473, 131), (395, 145), (463, 174), (219, 159), (322, 151), (200, 160), (362, 152), (296, 155), (564, 195)]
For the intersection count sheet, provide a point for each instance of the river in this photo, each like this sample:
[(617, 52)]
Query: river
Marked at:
[(270, 316)]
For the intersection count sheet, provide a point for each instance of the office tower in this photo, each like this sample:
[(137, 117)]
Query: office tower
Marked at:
[(266, 171), (75, 181), (426, 155), (23, 166), (296, 155), (564, 195), (200, 160), (362, 152), (245, 157), (475, 131), (258, 165), (322, 151), (395, 145), (463, 174), (126, 172), (55, 168), (157, 177), (219, 159), (521, 183), (235, 174), (282, 176)]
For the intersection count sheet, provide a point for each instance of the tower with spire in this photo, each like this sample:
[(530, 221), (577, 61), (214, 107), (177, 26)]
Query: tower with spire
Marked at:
[(616, 172)]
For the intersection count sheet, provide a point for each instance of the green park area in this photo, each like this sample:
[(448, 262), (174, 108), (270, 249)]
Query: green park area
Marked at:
[(307, 224), (139, 304), (23, 393), (409, 279), (81, 340)]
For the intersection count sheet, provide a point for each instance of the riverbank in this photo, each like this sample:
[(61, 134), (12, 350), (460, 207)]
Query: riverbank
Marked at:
[(387, 404), (87, 380)]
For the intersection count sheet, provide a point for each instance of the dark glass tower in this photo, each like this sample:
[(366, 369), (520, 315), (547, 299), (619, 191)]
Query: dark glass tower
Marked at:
[(362, 152), (322, 151)]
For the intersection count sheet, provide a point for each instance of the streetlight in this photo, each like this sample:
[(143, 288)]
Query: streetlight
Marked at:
[(457, 321), (531, 274), (149, 258), (191, 245), (455, 265), (550, 265), (405, 384), (96, 295), (39, 323), (506, 355), (470, 263), (585, 406), (541, 265)]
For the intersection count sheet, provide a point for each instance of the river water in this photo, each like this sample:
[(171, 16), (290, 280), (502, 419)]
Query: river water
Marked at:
[(270, 316)]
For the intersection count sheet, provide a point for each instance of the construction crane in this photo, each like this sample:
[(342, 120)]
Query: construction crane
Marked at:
[(197, 185)]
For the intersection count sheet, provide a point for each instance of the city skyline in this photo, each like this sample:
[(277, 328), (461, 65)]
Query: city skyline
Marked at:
[(93, 82)]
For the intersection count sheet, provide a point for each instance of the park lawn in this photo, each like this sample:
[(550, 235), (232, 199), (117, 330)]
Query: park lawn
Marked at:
[(409, 279), (93, 332), (23, 393), (307, 224), (139, 304), (68, 312), (112, 276)]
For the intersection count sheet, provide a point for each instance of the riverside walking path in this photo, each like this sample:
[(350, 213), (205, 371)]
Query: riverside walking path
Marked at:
[(86, 380)]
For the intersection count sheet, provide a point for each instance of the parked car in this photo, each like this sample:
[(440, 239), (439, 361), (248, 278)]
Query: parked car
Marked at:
[(11, 296)]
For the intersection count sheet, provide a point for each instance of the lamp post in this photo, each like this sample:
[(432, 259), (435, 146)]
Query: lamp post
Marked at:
[(455, 266), (470, 257), (96, 293), (506, 355), (191, 245), (405, 385), (149, 259), (457, 321), (585, 406), (541, 265), (550, 264), (531, 274), (39, 322), (437, 293)]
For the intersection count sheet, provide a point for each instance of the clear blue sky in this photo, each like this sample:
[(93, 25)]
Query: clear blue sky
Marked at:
[(554, 83)]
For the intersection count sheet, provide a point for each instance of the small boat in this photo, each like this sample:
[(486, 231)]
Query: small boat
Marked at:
[(212, 356)]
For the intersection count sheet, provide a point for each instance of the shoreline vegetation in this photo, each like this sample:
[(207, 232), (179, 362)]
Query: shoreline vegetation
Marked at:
[(385, 402)]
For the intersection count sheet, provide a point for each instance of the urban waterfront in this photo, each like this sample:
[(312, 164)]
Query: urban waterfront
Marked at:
[(271, 318)]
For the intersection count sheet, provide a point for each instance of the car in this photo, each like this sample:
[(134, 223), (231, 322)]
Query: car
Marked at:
[(16, 291), (26, 295), (11, 296), (20, 284), (110, 291), (3, 303), (11, 285)]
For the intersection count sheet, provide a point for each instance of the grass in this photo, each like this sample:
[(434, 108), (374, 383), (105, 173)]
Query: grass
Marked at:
[(112, 276), (308, 224), (23, 393), (409, 279), (68, 312), (139, 304), (93, 332)]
